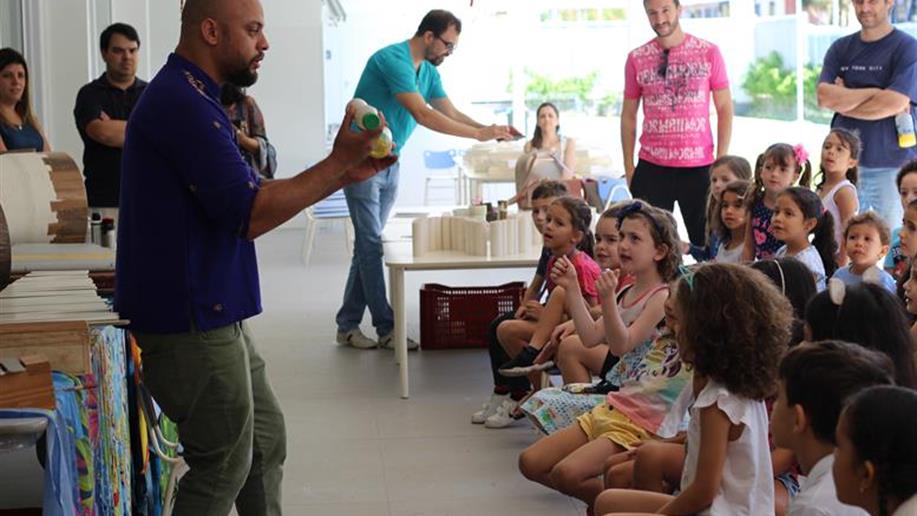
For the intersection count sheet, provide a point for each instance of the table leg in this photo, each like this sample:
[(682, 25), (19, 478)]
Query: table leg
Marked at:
[(396, 276)]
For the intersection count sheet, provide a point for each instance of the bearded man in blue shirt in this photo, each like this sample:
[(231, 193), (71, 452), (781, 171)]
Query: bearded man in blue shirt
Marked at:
[(186, 266)]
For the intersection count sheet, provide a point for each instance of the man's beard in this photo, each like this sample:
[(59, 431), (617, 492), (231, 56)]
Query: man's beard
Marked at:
[(434, 59), (672, 26), (242, 78)]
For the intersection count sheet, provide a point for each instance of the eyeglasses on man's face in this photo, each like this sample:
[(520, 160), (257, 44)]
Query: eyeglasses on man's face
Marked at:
[(450, 46)]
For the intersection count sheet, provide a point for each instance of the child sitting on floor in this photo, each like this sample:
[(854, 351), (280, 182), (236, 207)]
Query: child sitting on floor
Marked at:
[(723, 171), (657, 466), (519, 326), (815, 381), (732, 216), (866, 241), (570, 460), (571, 216), (798, 214), (896, 261), (580, 363), (733, 326), (876, 452), (778, 168), (868, 315), (567, 235)]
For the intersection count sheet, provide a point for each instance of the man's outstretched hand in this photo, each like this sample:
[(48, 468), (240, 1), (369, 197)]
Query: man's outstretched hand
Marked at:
[(351, 151)]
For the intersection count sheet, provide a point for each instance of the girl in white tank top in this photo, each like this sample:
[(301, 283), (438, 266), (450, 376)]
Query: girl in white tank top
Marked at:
[(837, 189)]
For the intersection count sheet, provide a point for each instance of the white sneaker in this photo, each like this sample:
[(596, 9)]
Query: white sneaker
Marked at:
[(387, 342), (489, 408), (356, 339), (503, 416)]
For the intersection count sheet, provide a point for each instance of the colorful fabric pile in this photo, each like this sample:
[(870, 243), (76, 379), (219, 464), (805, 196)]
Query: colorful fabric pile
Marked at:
[(95, 410)]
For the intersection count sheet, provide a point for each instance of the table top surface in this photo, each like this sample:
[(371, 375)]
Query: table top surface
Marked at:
[(400, 255)]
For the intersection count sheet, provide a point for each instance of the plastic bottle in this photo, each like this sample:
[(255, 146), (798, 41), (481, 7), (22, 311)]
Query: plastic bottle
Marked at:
[(108, 232), (95, 229), (366, 116), (904, 122)]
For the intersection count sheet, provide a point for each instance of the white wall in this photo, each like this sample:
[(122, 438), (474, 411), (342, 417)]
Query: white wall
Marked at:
[(61, 54), (290, 90)]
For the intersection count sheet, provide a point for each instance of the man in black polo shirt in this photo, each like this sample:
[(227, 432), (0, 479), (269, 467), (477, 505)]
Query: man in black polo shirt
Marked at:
[(102, 109)]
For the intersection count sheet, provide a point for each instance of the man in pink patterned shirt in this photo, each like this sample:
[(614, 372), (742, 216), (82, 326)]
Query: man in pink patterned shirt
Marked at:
[(674, 74)]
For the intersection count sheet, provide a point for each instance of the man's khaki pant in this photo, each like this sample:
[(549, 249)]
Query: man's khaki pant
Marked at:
[(213, 385)]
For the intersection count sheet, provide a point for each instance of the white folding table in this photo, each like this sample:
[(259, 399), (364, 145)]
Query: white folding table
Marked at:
[(399, 257)]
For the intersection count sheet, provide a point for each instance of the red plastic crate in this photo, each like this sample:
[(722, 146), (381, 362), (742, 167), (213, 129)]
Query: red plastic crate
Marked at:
[(459, 317)]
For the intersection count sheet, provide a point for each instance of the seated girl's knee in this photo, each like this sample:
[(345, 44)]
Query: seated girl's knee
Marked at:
[(564, 477), (504, 329), (569, 344), (568, 350), (527, 464), (604, 502)]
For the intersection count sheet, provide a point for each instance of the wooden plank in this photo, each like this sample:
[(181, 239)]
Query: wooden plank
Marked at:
[(76, 296), (65, 344), (87, 317), (39, 274), (9, 307), (25, 294)]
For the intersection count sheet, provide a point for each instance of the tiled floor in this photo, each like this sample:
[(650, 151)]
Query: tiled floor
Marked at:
[(354, 446)]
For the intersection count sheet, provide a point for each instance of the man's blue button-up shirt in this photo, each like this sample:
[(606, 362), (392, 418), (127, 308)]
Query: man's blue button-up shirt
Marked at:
[(186, 201)]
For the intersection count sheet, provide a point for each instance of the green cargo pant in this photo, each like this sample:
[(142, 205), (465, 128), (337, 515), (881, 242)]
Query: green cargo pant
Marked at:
[(213, 385)]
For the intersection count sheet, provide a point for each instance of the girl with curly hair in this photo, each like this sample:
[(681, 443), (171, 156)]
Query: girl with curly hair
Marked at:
[(649, 373), (733, 326), (657, 466)]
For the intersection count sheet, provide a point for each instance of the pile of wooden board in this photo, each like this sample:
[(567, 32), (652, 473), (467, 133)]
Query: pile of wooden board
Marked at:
[(50, 313)]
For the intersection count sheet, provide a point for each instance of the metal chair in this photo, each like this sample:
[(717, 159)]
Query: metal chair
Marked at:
[(440, 161)]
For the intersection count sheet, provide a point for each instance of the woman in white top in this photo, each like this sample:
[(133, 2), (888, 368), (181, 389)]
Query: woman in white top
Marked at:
[(548, 155), (732, 325), (875, 462)]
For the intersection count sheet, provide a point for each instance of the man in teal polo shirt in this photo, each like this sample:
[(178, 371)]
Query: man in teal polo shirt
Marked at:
[(400, 80)]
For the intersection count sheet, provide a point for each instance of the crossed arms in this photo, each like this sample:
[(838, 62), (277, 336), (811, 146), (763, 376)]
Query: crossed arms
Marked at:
[(861, 103)]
